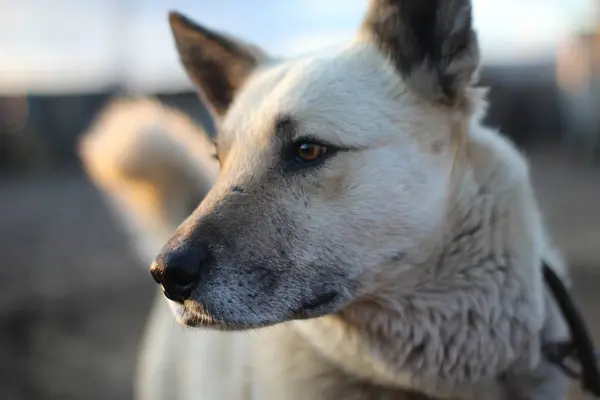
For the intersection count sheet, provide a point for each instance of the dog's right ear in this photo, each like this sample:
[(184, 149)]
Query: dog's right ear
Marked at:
[(217, 65)]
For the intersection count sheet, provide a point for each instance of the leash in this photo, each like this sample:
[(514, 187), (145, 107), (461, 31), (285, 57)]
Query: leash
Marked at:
[(580, 349)]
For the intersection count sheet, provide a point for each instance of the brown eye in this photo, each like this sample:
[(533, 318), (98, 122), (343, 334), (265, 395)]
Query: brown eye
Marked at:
[(307, 152)]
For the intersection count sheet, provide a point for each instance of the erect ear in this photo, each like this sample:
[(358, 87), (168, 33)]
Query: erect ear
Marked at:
[(431, 42), (218, 65)]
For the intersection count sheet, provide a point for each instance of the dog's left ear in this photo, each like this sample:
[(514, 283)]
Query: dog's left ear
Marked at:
[(431, 43)]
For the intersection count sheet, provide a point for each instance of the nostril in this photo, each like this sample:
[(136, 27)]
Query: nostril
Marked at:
[(181, 275)]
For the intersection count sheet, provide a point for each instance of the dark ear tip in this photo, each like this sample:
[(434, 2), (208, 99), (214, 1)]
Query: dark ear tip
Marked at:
[(178, 20), (175, 17)]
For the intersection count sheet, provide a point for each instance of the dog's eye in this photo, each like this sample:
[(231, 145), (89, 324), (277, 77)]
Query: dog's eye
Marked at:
[(309, 152)]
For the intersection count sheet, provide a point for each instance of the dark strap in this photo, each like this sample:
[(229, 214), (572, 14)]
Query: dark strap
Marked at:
[(580, 348)]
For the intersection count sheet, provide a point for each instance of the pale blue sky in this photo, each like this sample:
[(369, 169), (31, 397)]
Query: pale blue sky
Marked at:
[(47, 45)]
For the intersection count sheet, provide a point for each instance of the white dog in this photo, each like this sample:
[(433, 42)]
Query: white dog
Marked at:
[(367, 237)]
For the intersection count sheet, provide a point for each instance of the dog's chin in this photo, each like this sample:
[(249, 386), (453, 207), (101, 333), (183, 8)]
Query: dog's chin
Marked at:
[(194, 315)]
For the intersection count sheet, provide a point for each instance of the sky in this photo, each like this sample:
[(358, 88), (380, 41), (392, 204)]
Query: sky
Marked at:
[(73, 45)]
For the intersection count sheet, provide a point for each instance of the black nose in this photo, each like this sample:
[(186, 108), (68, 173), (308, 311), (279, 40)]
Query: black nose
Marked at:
[(178, 271)]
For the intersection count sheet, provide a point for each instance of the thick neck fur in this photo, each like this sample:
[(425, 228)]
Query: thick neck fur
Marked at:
[(475, 309)]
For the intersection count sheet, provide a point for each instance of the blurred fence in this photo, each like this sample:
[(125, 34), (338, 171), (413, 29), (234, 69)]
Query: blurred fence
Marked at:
[(578, 74), (527, 104), (39, 133)]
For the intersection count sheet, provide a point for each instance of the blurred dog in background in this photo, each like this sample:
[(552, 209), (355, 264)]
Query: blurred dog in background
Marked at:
[(154, 166)]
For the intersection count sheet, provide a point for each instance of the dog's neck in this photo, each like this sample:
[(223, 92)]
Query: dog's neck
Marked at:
[(475, 308)]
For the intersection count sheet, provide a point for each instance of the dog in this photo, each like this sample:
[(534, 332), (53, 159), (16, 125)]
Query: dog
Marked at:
[(367, 237), (153, 166)]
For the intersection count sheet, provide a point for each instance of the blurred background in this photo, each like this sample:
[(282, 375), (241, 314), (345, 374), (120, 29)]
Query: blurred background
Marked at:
[(73, 298)]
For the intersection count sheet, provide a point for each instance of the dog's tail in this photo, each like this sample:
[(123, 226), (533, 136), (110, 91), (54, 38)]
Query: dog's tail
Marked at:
[(153, 165)]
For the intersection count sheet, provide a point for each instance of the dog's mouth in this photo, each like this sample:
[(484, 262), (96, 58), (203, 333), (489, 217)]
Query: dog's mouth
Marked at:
[(317, 307), (196, 315)]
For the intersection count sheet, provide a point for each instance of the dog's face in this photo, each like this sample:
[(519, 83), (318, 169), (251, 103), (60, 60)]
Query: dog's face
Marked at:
[(335, 167)]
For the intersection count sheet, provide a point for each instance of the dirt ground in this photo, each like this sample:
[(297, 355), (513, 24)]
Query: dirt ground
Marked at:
[(73, 301)]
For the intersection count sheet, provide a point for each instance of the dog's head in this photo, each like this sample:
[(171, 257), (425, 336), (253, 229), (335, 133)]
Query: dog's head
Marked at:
[(335, 167)]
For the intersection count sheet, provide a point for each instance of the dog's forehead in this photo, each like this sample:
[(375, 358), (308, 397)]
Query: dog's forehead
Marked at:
[(336, 94)]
